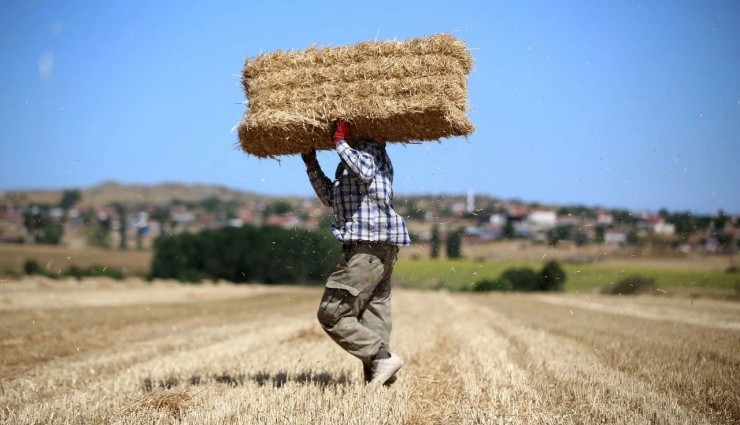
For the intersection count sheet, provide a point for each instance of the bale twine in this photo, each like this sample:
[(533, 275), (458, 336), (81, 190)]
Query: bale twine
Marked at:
[(391, 91)]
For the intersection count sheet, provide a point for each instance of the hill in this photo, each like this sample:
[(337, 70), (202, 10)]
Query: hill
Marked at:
[(112, 191)]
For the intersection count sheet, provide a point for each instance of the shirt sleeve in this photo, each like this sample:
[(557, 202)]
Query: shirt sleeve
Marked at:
[(359, 162), (322, 186)]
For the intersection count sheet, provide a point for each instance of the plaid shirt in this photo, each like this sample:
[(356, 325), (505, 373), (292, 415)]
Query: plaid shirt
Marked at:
[(361, 195)]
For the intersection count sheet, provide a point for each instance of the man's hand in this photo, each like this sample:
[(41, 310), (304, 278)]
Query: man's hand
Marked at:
[(309, 158), (341, 130)]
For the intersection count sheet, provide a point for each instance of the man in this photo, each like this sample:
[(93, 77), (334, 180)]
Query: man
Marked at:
[(355, 310)]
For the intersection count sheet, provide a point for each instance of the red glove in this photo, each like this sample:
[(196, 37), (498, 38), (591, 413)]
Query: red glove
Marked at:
[(341, 130)]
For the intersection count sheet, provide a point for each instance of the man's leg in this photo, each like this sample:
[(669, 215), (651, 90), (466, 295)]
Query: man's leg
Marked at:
[(349, 290), (377, 314), (377, 317)]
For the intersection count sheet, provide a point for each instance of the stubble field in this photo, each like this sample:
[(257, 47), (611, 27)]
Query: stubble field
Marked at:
[(106, 352)]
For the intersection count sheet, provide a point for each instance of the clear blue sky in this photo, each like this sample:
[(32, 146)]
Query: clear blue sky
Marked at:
[(619, 104)]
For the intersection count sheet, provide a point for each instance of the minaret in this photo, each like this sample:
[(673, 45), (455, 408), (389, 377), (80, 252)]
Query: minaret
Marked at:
[(471, 201)]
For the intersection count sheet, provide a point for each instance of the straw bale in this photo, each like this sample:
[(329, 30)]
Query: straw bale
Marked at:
[(391, 91)]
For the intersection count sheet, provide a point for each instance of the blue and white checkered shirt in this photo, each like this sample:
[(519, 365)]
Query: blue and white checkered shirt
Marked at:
[(361, 195)]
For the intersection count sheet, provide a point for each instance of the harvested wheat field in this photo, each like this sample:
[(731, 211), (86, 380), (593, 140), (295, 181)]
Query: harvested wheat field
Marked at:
[(105, 352)]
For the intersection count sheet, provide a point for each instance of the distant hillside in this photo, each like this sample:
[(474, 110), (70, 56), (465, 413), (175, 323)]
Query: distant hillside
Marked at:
[(109, 192)]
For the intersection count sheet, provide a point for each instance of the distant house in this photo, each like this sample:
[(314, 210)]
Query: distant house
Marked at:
[(542, 220), (249, 216), (657, 225), (615, 237), (287, 221), (498, 220), (663, 228), (605, 218)]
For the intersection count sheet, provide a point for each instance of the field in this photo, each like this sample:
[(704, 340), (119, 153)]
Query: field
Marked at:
[(99, 351), (685, 275), (589, 277), (59, 258)]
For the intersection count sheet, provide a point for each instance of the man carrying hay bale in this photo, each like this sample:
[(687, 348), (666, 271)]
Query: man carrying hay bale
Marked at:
[(355, 310)]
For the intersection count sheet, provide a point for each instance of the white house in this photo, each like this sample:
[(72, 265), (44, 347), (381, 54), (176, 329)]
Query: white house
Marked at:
[(542, 220)]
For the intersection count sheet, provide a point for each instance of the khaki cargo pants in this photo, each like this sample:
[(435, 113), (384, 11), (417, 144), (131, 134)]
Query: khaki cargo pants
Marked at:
[(356, 307)]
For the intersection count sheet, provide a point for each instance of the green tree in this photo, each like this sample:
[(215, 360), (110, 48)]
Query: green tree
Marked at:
[(508, 231), (277, 208), (633, 238), (99, 232), (435, 242), (623, 217), (488, 284), (34, 220), (559, 233), (162, 216), (454, 244), (246, 254), (70, 197), (687, 223), (551, 277), (122, 211), (43, 228), (600, 234), (211, 204), (721, 220), (580, 238), (53, 232), (413, 210), (522, 279)]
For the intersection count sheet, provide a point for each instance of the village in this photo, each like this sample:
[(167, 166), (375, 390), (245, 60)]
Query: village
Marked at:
[(76, 219)]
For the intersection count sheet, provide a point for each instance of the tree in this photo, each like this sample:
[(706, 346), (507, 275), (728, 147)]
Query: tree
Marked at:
[(508, 232), (162, 216), (521, 278), (70, 198), (551, 277), (413, 210), (558, 233), (600, 234), (623, 217), (633, 238), (122, 211), (246, 254), (53, 232), (99, 232), (43, 228), (34, 221), (721, 220), (211, 205), (686, 223), (454, 243), (580, 238), (435, 242), (277, 208)]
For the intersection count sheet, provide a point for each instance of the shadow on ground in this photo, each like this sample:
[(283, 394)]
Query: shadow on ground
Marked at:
[(233, 379)]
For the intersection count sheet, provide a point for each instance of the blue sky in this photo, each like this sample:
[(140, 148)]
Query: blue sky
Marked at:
[(618, 104)]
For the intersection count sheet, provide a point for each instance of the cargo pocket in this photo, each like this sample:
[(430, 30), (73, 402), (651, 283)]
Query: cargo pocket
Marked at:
[(339, 301), (336, 285)]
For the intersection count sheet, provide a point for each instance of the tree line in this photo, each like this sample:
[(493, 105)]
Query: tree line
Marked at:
[(246, 254)]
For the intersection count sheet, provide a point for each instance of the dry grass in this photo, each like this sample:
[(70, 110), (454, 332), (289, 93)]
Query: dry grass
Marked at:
[(391, 91), (254, 354), (60, 258)]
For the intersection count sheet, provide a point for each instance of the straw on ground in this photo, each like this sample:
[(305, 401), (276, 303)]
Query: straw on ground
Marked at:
[(215, 354)]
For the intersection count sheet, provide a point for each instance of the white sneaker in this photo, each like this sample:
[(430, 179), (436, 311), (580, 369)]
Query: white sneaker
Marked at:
[(384, 369)]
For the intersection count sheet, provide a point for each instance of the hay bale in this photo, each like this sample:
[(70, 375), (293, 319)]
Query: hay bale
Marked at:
[(391, 91)]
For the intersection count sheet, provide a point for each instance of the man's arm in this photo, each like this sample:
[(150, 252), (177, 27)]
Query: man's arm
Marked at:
[(361, 164), (321, 184)]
